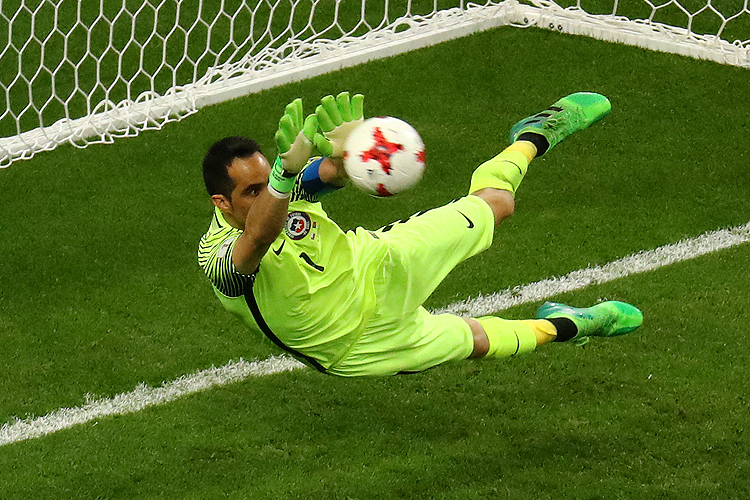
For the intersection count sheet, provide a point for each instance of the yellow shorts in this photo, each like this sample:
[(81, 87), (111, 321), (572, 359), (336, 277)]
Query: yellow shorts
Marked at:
[(401, 336)]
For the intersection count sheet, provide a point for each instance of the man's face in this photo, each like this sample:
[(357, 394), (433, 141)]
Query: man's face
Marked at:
[(250, 177)]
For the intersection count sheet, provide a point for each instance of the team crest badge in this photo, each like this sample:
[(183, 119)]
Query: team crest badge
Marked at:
[(298, 225)]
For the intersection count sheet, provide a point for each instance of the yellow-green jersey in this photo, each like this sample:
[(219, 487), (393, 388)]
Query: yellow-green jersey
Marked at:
[(350, 303), (309, 294)]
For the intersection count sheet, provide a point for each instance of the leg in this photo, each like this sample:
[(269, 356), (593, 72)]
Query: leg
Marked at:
[(429, 245), (496, 337), (543, 331), (418, 341), (425, 248), (497, 180), (500, 198), (415, 342)]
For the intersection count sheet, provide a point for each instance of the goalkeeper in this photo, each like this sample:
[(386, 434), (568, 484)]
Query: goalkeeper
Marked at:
[(350, 303)]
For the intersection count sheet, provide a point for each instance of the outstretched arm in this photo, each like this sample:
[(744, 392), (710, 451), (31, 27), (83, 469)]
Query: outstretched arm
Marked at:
[(264, 222), (264, 191)]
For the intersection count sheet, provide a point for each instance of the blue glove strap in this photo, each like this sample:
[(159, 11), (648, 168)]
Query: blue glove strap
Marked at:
[(311, 182)]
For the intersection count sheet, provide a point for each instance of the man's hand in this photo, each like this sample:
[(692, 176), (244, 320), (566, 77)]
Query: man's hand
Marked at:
[(337, 118), (294, 137)]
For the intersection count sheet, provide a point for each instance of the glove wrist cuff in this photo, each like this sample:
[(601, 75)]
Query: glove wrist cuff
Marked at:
[(280, 181)]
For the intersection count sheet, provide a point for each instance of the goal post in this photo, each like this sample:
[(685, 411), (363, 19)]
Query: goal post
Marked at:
[(91, 71)]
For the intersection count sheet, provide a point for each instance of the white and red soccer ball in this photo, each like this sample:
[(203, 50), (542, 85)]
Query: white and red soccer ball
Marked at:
[(384, 156)]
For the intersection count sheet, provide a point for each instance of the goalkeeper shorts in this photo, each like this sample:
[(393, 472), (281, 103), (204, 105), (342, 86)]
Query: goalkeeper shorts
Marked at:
[(401, 336)]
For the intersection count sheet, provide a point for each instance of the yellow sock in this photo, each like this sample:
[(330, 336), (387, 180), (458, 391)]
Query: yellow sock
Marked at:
[(527, 148), (543, 329), (504, 171), (508, 337)]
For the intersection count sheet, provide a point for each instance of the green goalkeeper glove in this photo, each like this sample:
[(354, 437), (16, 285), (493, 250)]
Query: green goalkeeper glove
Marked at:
[(337, 118), (294, 144)]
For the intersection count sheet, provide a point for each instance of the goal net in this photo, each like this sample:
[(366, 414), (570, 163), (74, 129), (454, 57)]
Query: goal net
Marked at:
[(90, 71)]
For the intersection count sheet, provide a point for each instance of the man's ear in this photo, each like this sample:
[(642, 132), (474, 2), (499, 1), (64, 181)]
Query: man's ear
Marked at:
[(222, 202)]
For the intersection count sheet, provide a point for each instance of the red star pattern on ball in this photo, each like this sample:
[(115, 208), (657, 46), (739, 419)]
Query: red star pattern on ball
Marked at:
[(382, 191), (421, 156), (381, 151)]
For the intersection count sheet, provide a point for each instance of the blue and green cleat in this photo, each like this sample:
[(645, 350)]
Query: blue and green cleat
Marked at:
[(567, 116), (606, 319)]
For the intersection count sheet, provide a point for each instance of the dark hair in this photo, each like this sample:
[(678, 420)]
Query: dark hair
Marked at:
[(220, 155)]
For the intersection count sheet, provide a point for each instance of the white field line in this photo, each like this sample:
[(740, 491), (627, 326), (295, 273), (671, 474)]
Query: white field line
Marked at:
[(640, 262), (142, 396)]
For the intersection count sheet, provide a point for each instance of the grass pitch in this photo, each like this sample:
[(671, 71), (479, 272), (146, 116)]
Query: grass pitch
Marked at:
[(100, 291)]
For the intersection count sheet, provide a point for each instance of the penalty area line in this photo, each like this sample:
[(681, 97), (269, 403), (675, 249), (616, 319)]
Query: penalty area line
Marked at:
[(236, 371)]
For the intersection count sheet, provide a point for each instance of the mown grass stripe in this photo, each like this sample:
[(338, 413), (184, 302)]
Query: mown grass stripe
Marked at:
[(142, 396)]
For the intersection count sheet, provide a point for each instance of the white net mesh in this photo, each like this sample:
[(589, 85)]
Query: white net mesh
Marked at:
[(90, 71), (718, 30)]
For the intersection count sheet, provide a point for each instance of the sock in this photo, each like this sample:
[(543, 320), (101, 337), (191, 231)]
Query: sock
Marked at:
[(505, 171), (507, 337), (541, 142), (565, 327), (543, 329)]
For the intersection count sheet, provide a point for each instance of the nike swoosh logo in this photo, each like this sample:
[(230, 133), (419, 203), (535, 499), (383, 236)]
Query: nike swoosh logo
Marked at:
[(471, 224), (278, 252)]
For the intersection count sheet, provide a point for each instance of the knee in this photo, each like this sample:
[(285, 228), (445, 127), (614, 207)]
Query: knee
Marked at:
[(481, 342), (501, 202)]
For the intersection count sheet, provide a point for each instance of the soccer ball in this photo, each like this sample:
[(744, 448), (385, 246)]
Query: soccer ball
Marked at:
[(384, 156)]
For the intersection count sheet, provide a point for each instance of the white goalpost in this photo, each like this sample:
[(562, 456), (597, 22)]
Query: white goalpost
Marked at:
[(89, 71)]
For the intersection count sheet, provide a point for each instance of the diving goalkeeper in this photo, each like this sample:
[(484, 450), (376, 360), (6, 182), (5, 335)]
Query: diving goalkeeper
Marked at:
[(350, 303)]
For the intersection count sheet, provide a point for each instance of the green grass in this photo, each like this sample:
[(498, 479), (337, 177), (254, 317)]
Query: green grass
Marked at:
[(100, 290), (637, 417)]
